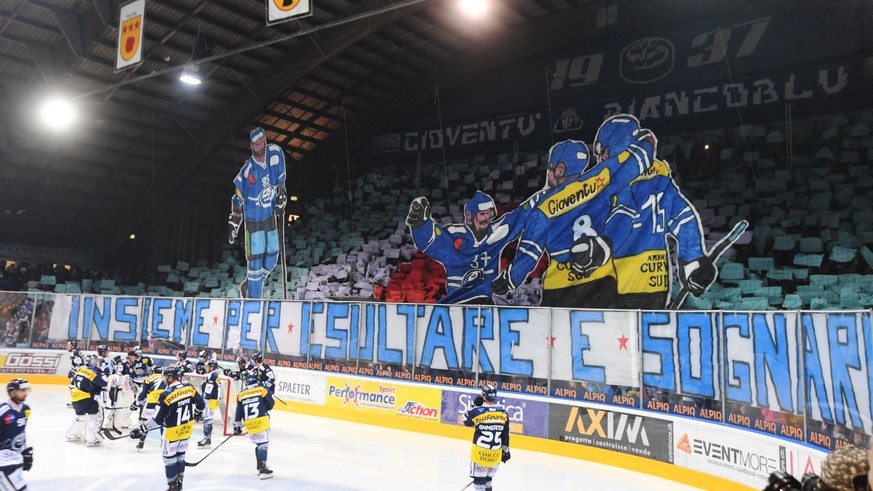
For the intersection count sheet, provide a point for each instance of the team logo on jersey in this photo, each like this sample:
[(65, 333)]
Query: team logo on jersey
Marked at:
[(265, 198), (130, 37)]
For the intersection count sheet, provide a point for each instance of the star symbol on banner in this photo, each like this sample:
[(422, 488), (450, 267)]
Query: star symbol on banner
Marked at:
[(124, 29), (622, 342), (215, 321), (600, 182), (551, 341), (290, 328)]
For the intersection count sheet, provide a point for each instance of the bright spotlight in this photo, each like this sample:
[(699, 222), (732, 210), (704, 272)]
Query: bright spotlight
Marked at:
[(57, 113), (132, 237), (190, 76), (473, 8)]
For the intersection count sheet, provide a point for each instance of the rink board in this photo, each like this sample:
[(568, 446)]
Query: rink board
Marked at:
[(689, 451)]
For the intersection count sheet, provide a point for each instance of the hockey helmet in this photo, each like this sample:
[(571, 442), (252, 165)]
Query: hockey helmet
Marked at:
[(102, 350), (90, 360), (251, 379), (133, 353), (204, 354), (241, 360), (572, 153), (182, 354), (17, 384), (157, 369), (173, 372), (480, 202), (255, 135), (257, 357), (615, 135), (117, 359), (212, 364), (489, 393), (72, 343)]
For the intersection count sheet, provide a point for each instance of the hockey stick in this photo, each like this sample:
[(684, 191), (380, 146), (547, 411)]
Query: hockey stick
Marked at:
[(105, 432), (468, 485), (283, 402), (281, 227), (194, 464), (720, 247)]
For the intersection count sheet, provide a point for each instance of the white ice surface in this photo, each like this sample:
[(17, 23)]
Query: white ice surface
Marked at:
[(307, 454)]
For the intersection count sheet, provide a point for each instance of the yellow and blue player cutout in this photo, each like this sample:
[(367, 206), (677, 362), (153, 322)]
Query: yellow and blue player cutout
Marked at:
[(653, 209), (569, 221), (260, 191), (490, 440), (469, 251), (15, 455), (253, 412)]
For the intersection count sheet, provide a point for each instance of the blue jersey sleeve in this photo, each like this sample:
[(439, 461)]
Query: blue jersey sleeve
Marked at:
[(431, 239), (683, 223), (276, 160), (531, 247)]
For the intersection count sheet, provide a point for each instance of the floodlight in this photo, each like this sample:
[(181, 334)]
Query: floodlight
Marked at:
[(57, 113)]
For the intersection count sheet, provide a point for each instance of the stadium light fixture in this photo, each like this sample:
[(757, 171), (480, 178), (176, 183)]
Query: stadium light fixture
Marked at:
[(191, 76), (473, 8), (57, 113), (293, 197)]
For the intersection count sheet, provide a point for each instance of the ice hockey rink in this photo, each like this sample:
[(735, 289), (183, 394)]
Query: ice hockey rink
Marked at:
[(306, 453)]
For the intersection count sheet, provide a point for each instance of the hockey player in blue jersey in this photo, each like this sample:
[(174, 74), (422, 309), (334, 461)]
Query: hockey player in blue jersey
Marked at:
[(490, 440), (653, 209), (184, 363), (470, 252), (266, 377), (176, 406), (76, 360), (209, 389), (147, 399), (260, 190), (253, 412), (88, 384), (15, 455), (203, 357), (569, 222)]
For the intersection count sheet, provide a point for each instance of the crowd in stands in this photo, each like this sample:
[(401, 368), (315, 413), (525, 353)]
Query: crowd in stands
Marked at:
[(808, 246)]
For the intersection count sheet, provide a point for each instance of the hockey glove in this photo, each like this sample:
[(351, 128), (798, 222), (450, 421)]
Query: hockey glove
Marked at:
[(501, 285), (198, 415), (506, 455), (135, 406), (419, 212), (138, 432), (237, 430), (228, 372), (233, 223), (281, 197), (27, 454), (697, 275), (589, 253), (478, 401), (780, 481), (71, 374)]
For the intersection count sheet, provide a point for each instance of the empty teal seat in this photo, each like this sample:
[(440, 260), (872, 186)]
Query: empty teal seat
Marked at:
[(810, 260), (792, 301), (842, 254), (823, 280), (780, 275), (731, 271), (783, 243), (760, 263)]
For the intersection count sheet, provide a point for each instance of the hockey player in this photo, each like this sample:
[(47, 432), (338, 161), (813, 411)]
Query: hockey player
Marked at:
[(260, 190), (654, 209), (15, 455), (491, 438), (76, 360), (176, 406), (469, 251), (140, 367), (119, 381), (184, 363), (242, 365), (569, 223), (147, 399), (203, 357), (88, 385), (265, 374), (252, 411), (209, 389)]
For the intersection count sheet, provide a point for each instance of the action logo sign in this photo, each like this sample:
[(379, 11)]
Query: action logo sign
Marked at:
[(283, 10), (130, 29)]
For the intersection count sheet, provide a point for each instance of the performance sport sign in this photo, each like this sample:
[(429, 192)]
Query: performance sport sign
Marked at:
[(131, 23), (285, 10)]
